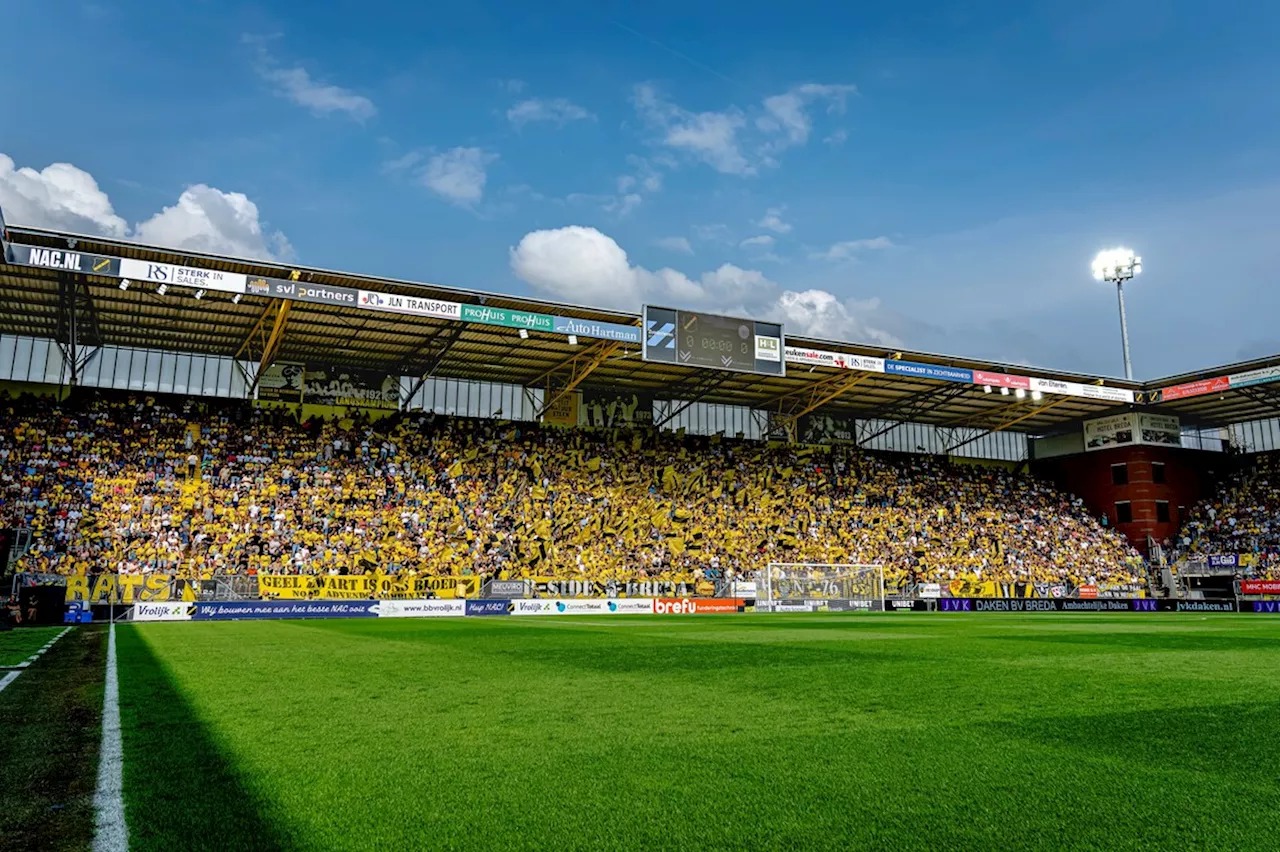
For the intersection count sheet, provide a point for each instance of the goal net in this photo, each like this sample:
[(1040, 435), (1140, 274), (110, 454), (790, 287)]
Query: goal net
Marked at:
[(811, 586)]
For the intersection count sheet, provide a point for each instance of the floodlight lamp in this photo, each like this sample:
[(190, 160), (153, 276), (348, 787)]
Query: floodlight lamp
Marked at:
[(235, 300), (573, 340), (162, 289), (1117, 264), (124, 283), (1004, 391), (1036, 395), (986, 388), (199, 294), (524, 334), (1020, 393)]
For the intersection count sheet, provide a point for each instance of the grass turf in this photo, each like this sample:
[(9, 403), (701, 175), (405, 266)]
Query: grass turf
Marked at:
[(50, 729), (17, 645), (742, 732)]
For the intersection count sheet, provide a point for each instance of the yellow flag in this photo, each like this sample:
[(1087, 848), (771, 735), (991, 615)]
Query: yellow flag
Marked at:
[(455, 470)]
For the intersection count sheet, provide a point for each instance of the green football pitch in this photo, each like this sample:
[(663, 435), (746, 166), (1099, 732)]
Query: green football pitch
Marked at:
[(730, 732)]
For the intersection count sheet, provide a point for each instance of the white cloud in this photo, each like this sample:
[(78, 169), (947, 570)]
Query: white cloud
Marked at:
[(646, 176), (204, 219), (60, 197), (558, 111), (458, 175), (297, 85), (837, 138), (818, 313), (788, 113), (321, 98), (849, 249), (708, 136), (623, 205), (728, 140), (513, 85), (215, 222), (773, 221), (677, 244), (763, 241), (717, 233), (581, 265)]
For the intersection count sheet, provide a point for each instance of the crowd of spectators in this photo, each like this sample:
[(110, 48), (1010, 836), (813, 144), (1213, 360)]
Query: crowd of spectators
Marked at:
[(197, 487), (1242, 518)]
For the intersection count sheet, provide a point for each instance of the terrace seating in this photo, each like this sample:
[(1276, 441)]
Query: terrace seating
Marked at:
[(195, 488)]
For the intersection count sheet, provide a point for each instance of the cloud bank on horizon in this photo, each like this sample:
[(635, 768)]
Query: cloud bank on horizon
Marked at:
[(577, 264), (203, 219)]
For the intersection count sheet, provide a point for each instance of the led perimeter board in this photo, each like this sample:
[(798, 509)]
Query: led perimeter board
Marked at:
[(713, 342)]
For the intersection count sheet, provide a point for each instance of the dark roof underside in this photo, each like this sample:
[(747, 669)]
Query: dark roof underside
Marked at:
[(411, 345)]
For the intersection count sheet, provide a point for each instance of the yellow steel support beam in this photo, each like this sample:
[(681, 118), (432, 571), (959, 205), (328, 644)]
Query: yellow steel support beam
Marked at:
[(257, 332), (824, 392), (277, 336), (585, 352), (1030, 414), (581, 366), (820, 382)]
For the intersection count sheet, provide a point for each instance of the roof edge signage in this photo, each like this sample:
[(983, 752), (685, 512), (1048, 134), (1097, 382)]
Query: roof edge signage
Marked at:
[(596, 330), (1099, 392), (65, 260), (839, 360), (928, 371), (508, 318), (398, 304), (1200, 388), (1001, 380), (183, 276), (299, 292)]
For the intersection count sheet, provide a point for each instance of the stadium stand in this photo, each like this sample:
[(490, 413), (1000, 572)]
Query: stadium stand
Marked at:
[(1242, 518), (202, 487)]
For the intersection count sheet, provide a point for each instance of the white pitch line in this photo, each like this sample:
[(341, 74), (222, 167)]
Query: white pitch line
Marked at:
[(110, 832), (21, 667)]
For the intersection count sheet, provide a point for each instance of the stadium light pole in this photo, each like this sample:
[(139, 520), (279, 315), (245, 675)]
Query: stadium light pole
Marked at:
[(1119, 265)]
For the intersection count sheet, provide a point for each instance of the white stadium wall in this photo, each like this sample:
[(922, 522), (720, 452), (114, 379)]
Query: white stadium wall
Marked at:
[(466, 398), (27, 359)]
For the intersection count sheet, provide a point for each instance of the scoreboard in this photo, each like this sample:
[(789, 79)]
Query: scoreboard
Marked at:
[(712, 341)]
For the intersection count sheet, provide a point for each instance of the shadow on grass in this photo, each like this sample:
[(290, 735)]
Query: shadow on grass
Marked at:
[(181, 790), (1234, 741), (50, 726), (1154, 641)]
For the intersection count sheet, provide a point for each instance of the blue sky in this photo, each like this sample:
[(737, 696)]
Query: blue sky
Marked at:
[(919, 174)]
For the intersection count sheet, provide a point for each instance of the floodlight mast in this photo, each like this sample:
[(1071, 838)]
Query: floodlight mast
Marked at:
[(1119, 265)]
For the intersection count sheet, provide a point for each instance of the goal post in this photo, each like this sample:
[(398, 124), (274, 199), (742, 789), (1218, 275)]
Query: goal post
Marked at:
[(800, 586)]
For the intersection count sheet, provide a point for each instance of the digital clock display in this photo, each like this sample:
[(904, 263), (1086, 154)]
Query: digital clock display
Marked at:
[(712, 341)]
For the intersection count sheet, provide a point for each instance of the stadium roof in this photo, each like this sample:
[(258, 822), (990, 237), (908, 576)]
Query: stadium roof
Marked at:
[(333, 323)]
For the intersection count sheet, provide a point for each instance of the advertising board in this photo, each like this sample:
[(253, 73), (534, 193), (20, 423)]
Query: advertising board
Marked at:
[(253, 610), (928, 371), (696, 606), (630, 606), (562, 606), (163, 611), (488, 607), (422, 609), (1106, 432), (1260, 587)]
